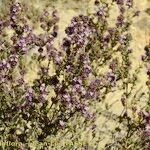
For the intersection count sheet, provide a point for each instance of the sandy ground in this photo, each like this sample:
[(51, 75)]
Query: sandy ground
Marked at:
[(140, 32)]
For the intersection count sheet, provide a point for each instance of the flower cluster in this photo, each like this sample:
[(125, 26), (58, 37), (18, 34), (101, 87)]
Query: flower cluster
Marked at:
[(79, 31), (52, 101)]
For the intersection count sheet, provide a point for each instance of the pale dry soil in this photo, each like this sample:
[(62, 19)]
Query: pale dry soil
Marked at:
[(140, 32)]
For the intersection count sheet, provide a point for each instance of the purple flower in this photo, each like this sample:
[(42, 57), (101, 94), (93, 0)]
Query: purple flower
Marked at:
[(58, 59), (1, 24), (147, 118), (66, 43), (147, 127), (42, 88), (70, 68), (87, 69), (55, 13), (77, 80), (91, 116), (55, 28), (111, 77), (52, 53), (77, 88), (84, 148), (22, 43), (93, 127), (148, 70), (49, 47), (84, 109), (66, 98), (40, 50), (4, 65), (97, 81), (2, 78), (143, 57), (122, 10), (42, 97), (137, 13), (15, 8), (95, 84), (69, 30), (79, 30), (54, 34), (101, 12), (129, 3), (55, 16), (91, 94), (112, 31), (148, 83), (123, 101), (62, 124), (106, 38), (24, 50), (29, 94), (130, 50), (13, 18), (122, 39), (146, 133), (21, 81), (113, 65), (27, 29), (13, 60), (120, 2), (46, 13), (147, 52), (83, 91), (44, 70), (96, 2), (120, 21)]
